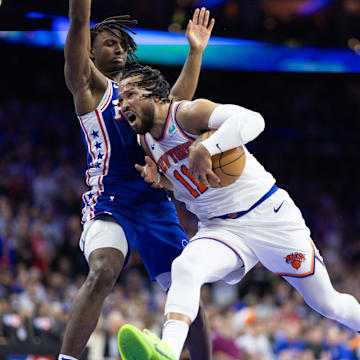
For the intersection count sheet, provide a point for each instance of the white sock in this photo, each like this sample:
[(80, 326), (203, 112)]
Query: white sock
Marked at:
[(175, 333), (66, 357)]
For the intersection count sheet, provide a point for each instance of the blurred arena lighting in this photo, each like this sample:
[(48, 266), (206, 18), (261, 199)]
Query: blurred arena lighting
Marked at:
[(164, 48), (37, 15), (209, 4), (312, 6), (306, 7)]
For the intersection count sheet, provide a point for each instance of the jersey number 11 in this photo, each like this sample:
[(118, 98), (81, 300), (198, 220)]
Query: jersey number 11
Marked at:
[(200, 187)]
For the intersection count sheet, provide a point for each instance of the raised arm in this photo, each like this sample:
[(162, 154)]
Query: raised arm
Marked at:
[(80, 73), (77, 45), (198, 33)]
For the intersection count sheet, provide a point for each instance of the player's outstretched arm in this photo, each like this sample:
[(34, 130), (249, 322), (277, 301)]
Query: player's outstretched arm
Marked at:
[(198, 33), (80, 73), (77, 45)]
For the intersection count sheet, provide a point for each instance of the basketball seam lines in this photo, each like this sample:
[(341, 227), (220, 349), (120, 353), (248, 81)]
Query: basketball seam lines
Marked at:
[(221, 165)]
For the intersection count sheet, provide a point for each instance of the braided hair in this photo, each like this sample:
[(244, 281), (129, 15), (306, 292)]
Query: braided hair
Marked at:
[(121, 24), (151, 80)]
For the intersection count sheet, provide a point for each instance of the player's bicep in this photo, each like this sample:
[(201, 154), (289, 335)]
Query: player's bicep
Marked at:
[(77, 55), (195, 115)]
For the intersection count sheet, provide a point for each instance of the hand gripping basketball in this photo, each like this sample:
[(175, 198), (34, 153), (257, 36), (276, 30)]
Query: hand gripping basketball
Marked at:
[(227, 166), (200, 165)]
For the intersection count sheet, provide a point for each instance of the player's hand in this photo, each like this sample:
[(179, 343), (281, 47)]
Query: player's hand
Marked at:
[(149, 172), (200, 165), (199, 30)]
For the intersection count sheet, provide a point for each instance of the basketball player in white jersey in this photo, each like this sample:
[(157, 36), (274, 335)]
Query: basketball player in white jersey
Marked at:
[(248, 221)]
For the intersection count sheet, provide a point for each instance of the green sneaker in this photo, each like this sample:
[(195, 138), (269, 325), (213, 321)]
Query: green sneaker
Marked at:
[(142, 345)]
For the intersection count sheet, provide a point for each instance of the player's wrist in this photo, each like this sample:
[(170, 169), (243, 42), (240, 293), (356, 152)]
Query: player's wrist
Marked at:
[(196, 50), (211, 146)]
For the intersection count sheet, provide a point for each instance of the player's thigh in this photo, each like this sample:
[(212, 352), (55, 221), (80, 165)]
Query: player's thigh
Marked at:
[(220, 254), (319, 280), (161, 239), (103, 232), (280, 238), (296, 259)]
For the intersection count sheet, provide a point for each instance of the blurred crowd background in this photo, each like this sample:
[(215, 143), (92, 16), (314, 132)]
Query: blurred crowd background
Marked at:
[(311, 145)]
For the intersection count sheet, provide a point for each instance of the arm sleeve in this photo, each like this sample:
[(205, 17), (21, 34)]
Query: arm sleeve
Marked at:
[(236, 126)]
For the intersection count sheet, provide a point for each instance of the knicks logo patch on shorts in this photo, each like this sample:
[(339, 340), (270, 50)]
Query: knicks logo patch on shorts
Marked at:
[(295, 259)]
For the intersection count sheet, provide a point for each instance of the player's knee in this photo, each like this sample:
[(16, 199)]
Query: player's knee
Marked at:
[(185, 267), (102, 277), (179, 267), (330, 310), (327, 307)]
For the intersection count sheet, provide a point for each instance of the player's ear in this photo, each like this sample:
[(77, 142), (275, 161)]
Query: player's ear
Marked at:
[(156, 99)]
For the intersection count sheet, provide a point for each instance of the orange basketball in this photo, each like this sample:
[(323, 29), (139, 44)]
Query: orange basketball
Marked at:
[(228, 165)]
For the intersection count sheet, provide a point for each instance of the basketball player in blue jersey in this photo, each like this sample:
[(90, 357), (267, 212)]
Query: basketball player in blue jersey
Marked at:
[(249, 221), (120, 211)]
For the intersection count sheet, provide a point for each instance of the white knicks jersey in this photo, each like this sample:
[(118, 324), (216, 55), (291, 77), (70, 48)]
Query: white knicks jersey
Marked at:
[(170, 151)]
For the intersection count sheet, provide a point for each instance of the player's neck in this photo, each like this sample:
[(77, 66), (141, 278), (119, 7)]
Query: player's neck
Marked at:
[(160, 117), (115, 76)]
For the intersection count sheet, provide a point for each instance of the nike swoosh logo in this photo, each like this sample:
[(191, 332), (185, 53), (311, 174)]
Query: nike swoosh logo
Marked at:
[(116, 86), (171, 130), (277, 209)]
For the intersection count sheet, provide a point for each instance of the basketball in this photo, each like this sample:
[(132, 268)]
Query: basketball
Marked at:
[(228, 165)]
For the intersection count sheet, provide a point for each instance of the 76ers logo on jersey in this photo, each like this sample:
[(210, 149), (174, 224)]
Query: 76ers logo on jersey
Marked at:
[(295, 259), (117, 109)]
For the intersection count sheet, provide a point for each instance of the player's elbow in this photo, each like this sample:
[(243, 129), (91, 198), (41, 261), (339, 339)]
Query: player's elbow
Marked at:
[(78, 22), (259, 122)]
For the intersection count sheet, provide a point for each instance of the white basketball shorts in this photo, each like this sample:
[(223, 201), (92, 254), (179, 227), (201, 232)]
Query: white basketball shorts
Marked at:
[(274, 233)]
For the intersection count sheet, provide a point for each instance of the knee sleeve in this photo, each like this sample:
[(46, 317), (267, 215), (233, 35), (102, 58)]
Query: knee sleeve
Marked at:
[(337, 306), (319, 293), (101, 233), (202, 261), (184, 294)]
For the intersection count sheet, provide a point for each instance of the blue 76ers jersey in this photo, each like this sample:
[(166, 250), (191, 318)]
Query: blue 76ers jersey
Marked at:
[(112, 151)]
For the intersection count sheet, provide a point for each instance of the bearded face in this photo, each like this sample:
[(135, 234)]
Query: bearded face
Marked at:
[(147, 117), (141, 116)]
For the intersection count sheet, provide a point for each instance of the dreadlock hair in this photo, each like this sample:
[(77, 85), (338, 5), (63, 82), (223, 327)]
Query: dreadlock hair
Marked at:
[(151, 80), (121, 24)]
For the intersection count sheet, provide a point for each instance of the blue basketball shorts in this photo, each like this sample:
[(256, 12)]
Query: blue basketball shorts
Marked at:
[(152, 228)]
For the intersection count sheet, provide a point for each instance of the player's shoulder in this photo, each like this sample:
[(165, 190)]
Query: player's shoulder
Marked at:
[(195, 108), (196, 112)]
